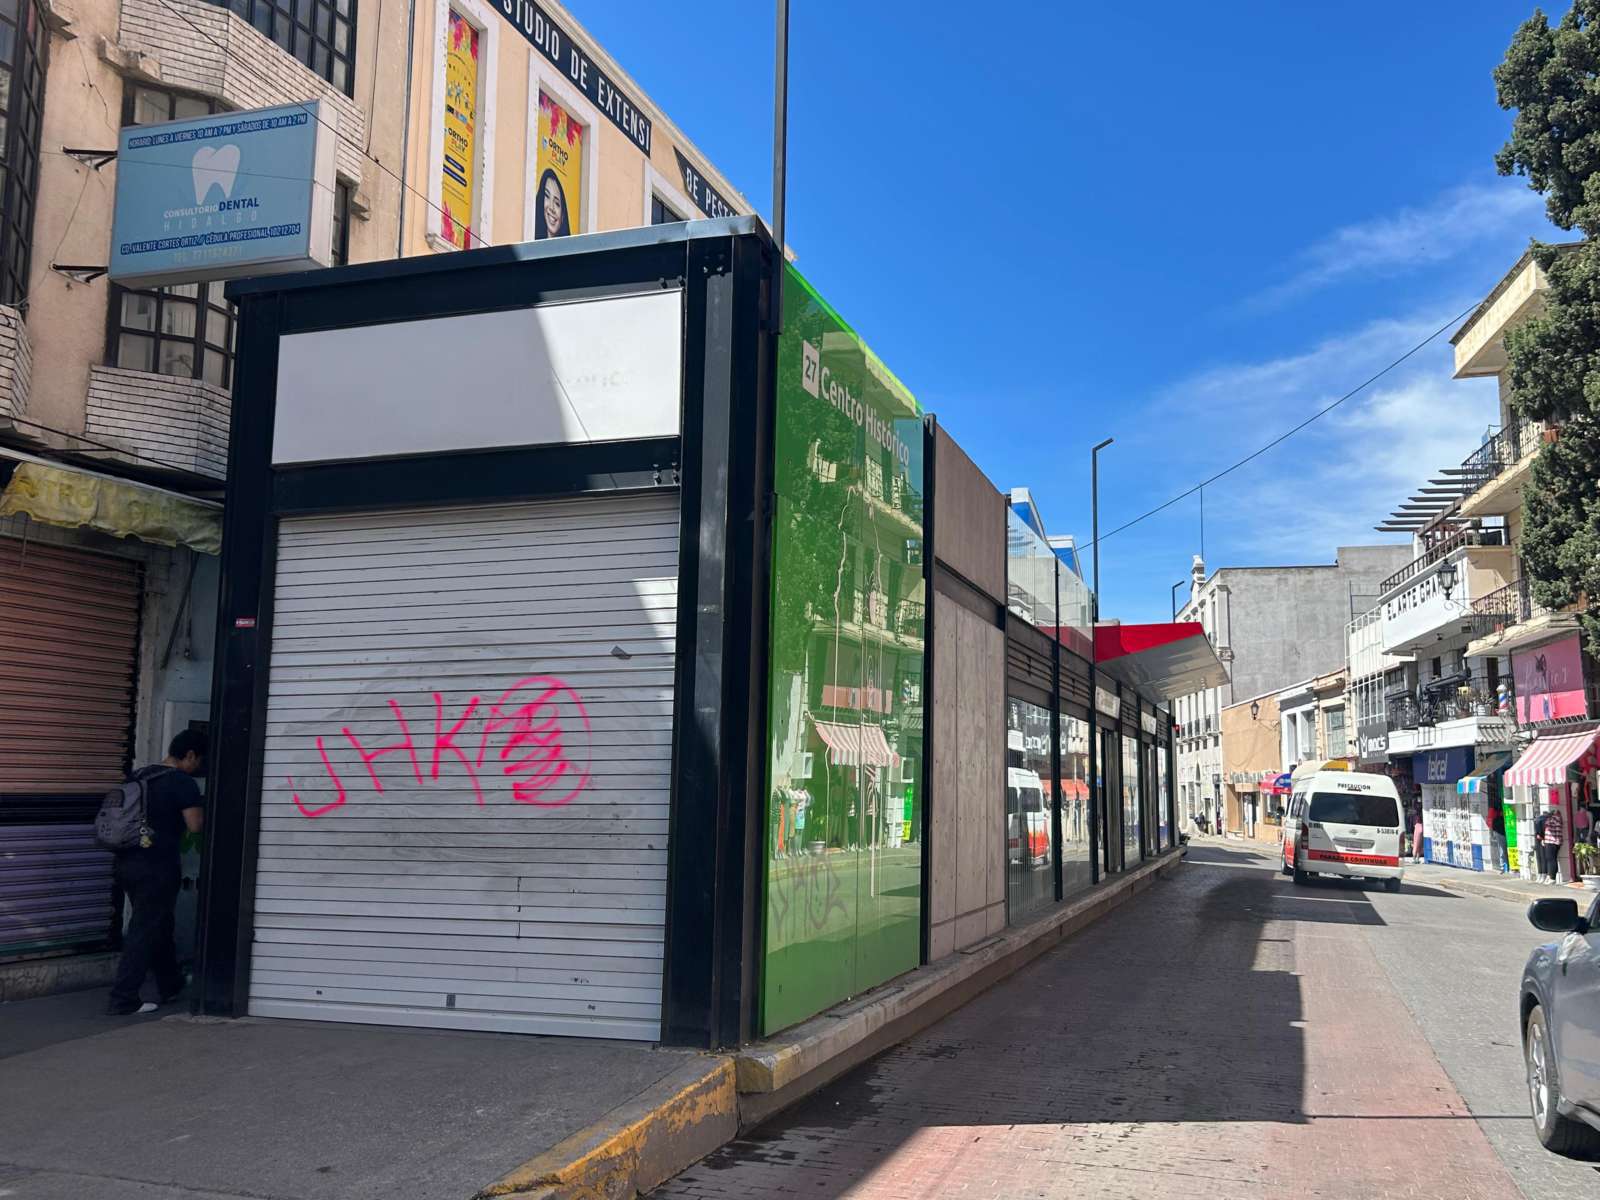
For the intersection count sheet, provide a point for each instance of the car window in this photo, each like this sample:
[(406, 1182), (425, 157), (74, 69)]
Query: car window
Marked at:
[(1354, 808)]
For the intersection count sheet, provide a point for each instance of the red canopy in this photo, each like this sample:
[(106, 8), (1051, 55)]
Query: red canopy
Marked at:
[(1172, 658)]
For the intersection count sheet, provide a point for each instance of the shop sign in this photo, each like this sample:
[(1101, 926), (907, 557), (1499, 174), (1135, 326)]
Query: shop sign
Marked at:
[(1106, 702), (1147, 722), (1549, 682), (458, 183), (218, 197), (1372, 741), (699, 189), (1442, 766), (563, 53)]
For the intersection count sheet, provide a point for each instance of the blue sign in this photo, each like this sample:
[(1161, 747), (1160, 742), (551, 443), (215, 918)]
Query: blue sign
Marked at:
[(239, 193), (1441, 766)]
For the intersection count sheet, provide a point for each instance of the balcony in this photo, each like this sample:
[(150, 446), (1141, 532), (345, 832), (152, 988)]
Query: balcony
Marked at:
[(1417, 614), (1509, 619), (1458, 710), (161, 419), (1496, 470), (16, 364)]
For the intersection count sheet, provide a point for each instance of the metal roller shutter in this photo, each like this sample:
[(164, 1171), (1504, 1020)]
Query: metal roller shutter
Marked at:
[(467, 768), (69, 642)]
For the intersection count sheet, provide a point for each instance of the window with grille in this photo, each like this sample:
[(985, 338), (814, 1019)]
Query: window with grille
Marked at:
[(320, 33), (23, 45)]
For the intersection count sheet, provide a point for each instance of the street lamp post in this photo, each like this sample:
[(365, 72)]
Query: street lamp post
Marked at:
[(1175, 588), (1094, 515)]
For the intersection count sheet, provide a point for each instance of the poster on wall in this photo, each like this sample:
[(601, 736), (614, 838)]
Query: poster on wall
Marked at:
[(558, 167), (1549, 682), (458, 180), (842, 900)]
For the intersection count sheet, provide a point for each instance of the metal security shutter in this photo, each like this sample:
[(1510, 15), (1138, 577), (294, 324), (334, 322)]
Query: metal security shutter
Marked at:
[(69, 642), (480, 888)]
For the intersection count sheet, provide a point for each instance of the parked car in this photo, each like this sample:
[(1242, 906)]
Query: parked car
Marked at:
[(1343, 823), (1561, 1027)]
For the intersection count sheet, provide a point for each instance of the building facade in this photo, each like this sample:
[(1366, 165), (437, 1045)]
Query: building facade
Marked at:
[(1270, 626)]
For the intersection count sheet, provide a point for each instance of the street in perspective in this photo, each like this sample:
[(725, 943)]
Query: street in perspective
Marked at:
[(777, 600)]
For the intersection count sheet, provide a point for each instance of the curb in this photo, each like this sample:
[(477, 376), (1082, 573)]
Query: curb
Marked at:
[(1489, 890), (664, 1129)]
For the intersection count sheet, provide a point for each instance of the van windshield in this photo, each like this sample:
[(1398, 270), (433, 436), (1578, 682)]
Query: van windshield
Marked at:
[(1353, 808)]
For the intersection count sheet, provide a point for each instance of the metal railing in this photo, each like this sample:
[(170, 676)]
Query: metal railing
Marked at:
[(1454, 698), (1501, 451), (1501, 609), (1441, 550)]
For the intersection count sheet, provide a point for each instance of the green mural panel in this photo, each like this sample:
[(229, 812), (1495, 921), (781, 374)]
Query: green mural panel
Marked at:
[(844, 816)]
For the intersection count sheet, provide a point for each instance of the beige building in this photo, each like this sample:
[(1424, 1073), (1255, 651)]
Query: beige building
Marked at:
[(451, 120), (521, 127), (1250, 745)]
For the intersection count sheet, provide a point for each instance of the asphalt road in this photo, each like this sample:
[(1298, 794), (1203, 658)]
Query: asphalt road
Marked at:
[(1223, 1035)]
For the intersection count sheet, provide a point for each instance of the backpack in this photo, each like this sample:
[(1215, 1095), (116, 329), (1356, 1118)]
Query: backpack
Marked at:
[(121, 823), (1540, 822)]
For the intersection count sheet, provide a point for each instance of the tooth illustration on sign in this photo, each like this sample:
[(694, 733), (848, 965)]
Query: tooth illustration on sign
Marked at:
[(215, 166)]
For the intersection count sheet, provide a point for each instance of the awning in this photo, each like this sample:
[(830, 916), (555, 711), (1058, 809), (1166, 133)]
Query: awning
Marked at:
[(1071, 789), (1274, 784), (72, 498), (1545, 762), (855, 745), (1477, 781), (1163, 661)]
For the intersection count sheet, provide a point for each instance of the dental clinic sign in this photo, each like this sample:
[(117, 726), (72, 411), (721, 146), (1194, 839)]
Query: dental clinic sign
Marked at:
[(218, 197)]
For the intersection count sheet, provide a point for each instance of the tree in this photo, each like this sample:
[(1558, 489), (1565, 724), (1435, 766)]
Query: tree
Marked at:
[(1551, 79)]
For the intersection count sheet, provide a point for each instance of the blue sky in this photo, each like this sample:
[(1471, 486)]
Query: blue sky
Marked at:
[(1062, 222)]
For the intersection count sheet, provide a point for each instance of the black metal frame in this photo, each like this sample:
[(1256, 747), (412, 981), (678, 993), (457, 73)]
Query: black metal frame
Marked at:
[(20, 145), (277, 21), (722, 467)]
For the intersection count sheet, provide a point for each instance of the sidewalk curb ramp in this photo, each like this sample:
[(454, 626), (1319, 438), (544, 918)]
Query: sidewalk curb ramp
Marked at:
[(708, 1102), (637, 1145)]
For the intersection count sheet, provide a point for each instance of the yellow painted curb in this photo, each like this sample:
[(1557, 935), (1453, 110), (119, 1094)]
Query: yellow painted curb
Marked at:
[(637, 1145)]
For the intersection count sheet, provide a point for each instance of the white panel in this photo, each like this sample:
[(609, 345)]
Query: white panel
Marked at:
[(592, 370), (447, 900)]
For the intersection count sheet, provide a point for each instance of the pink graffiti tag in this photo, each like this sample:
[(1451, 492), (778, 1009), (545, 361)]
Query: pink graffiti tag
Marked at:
[(534, 750)]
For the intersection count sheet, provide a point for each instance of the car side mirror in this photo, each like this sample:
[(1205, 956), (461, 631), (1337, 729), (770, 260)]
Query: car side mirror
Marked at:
[(1556, 916)]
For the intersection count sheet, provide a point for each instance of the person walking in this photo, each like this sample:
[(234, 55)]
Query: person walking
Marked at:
[(1416, 834), (1497, 834), (1549, 828), (149, 875)]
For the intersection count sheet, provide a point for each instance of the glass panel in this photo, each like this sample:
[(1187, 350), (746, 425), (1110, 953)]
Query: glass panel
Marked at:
[(1030, 575), (150, 107), (216, 293), (1130, 801), (324, 25), (341, 75), (5, 88), (263, 18), (8, 41), (175, 358), (138, 312), (1164, 799), (1073, 788), (8, 9), (188, 290), (1030, 844), (341, 36), (319, 59), (177, 318), (844, 736), (216, 327), (136, 353), (1076, 615), (213, 368), (185, 107), (242, 7)]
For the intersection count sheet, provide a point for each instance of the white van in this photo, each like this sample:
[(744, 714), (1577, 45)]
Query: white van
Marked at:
[(1343, 823)]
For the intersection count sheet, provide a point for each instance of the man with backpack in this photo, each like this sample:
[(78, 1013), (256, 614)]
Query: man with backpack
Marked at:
[(143, 823)]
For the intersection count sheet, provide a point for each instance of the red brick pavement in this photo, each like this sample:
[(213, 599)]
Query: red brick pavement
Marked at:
[(1223, 1036)]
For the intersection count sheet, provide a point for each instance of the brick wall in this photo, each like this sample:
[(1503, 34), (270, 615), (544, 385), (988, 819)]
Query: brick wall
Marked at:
[(16, 363), (211, 50), (180, 423)]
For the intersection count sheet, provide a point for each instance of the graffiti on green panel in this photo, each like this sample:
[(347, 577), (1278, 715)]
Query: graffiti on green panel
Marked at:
[(844, 769)]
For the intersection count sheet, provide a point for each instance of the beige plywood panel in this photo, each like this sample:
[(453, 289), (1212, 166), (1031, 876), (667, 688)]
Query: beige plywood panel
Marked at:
[(969, 519), (946, 792)]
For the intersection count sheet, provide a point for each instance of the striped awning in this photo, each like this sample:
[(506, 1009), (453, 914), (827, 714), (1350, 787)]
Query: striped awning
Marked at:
[(1545, 762), (855, 745), (1477, 780)]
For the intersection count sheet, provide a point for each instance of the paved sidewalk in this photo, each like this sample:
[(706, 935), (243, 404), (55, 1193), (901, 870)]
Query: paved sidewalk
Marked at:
[(1492, 884), (176, 1107)]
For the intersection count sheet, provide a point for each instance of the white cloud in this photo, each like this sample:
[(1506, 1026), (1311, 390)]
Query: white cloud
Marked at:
[(1453, 223)]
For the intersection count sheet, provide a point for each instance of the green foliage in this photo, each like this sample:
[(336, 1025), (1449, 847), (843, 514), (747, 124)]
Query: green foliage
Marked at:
[(1551, 77)]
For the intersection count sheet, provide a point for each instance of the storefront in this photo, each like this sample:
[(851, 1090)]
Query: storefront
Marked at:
[(1453, 835), (1555, 774), (1482, 810)]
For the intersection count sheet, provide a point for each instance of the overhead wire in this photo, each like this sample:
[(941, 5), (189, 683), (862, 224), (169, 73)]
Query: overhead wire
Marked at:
[(1287, 434)]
